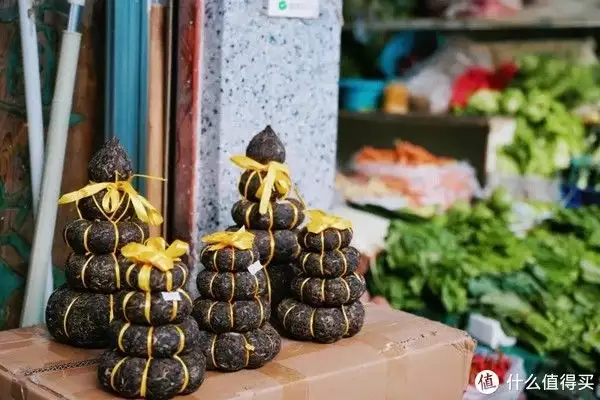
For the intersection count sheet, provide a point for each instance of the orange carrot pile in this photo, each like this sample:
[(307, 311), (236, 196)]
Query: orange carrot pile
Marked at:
[(404, 153)]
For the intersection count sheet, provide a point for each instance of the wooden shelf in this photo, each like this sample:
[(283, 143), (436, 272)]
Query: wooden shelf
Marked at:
[(556, 14), (416, 119)]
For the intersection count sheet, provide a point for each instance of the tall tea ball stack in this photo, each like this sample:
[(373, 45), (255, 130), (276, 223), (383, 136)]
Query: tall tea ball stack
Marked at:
[(79, 312), (233, 308), (326, 289), (155, 342), (267, 210)]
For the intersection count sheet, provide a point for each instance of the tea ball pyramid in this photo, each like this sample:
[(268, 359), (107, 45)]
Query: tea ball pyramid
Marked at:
[(156, 351), (326, 289), (233, 310), (79, 312), (267, 211)]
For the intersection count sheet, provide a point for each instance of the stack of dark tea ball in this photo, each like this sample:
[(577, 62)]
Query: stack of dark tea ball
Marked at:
[(267, 211), (156, 352), (325, 306), (79, 312), (232, 309)]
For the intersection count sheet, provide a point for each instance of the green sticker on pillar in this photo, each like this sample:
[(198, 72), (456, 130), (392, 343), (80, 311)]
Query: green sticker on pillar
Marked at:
[(293, 8)]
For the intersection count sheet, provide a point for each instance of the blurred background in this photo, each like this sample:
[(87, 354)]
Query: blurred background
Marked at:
[(468, 157)]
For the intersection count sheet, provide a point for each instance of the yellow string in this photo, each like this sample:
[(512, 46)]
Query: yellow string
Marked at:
[(117, 271), (302, 288), (212, 350), (121, 335), (147, 307), (186, 374), (114, 371), (111, 199), (149, 341), (286, 314), (181, 340), (247, 349), (277, 178), (320, 221), (125, 300), (85, 265), (67, 316), (144, 383), (241, 239), (346, 320)]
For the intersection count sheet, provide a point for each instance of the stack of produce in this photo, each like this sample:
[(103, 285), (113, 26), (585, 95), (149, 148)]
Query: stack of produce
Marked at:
[(267, 211), (539, 281), (111, 214), (232, 309), (326, 288), (420, 177), (540, 93), (155, 342)]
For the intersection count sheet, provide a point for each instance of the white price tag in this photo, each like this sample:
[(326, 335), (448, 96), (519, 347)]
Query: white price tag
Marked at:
[(171, 296), (254, 268), (293, 8)]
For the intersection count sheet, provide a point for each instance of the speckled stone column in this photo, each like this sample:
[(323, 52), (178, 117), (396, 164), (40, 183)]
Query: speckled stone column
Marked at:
[(259, 71)]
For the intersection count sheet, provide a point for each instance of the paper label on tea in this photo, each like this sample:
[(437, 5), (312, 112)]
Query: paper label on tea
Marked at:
[(171, 296), (254, 268)]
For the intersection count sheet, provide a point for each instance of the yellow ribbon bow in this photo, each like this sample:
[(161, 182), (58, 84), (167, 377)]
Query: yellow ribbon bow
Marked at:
[(111, 200), (320, 220), (241, 239), (278, 178), (156, 253)]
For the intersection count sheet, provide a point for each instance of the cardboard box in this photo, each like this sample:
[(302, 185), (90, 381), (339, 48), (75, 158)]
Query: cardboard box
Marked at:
[(396, 356)]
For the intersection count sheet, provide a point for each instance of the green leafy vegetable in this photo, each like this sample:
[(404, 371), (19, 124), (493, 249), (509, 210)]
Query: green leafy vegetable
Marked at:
[(542, 287)]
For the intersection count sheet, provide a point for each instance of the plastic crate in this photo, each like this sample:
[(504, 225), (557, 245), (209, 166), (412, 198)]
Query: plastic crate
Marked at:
[(361, 94)]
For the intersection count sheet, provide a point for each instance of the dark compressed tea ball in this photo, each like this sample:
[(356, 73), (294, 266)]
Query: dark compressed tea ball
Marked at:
[(110, 163), (99, 273), (325, 325), (232, 351), (159, 281), (266, 146), (153, 379), (101, 237), (328, 292), (228, 286), (91, 208), (155, 341), (237, 316), (329, 264), (276, 246), (329, 239), (80, 319), (281, 214), (228, 259), (280, 278), (148, 308), (250, 182)]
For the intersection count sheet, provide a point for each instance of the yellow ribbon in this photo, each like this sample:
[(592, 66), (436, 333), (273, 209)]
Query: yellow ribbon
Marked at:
[(278, 178), (241, 239), (111, 200), (156, 253), (320, 220)]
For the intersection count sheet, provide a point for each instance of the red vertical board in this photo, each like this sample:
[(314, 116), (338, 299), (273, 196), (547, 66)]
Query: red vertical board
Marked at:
[(187, 119)]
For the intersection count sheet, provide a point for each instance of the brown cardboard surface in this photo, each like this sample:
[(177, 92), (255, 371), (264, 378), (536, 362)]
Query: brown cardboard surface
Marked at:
[(395, 356)]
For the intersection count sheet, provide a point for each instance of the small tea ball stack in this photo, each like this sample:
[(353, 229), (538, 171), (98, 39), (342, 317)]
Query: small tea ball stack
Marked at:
[(233, 310), (275, 224), (79, 312), (156, 351), (325, 306)]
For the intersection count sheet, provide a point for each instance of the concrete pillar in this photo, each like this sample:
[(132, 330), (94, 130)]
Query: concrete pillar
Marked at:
[(256, 71)]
